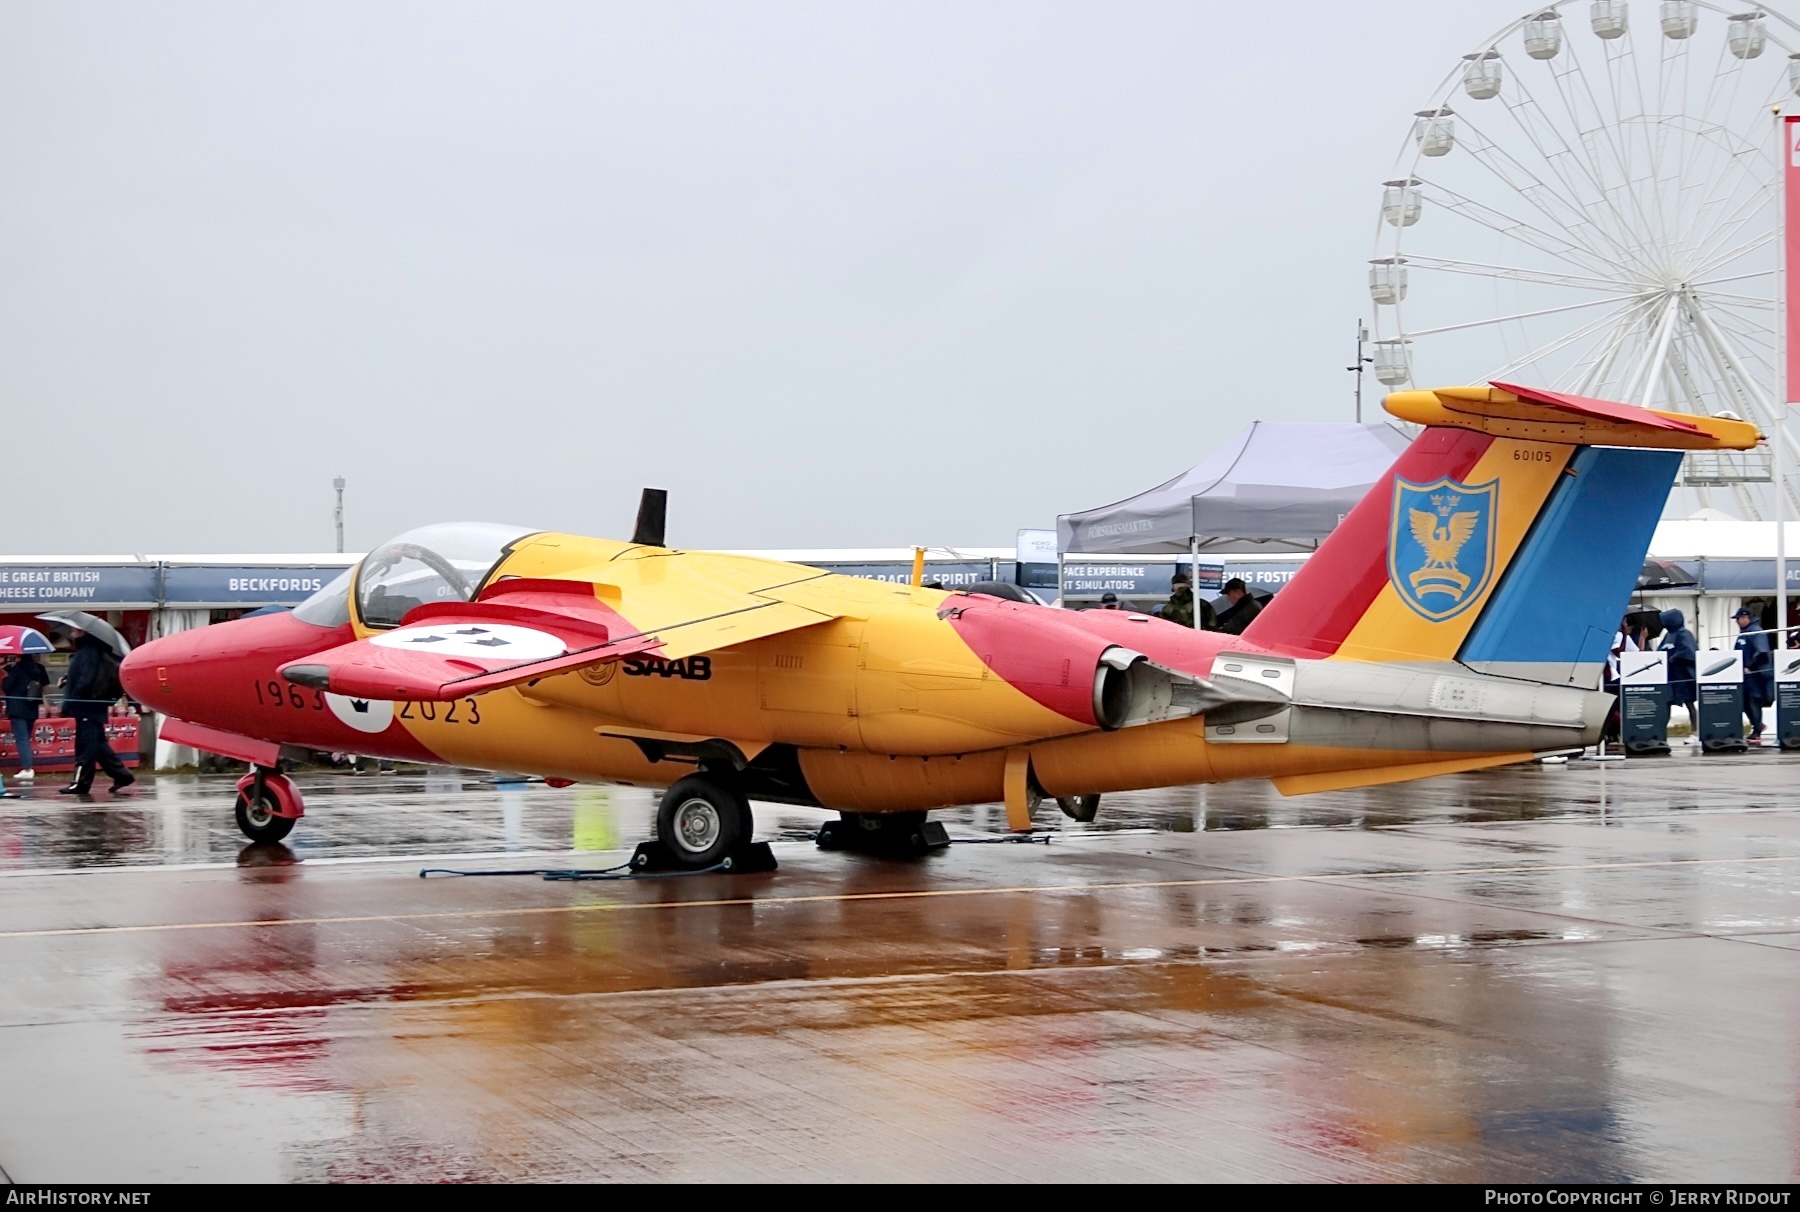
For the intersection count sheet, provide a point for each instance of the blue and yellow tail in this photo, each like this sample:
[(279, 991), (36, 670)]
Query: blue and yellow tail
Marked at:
[(1508, 537)]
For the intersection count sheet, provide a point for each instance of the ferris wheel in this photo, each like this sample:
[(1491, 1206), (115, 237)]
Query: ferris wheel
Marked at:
[(1588, 202)]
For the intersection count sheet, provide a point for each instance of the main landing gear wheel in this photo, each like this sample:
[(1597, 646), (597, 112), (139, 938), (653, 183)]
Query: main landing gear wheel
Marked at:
[(1079, 807), (702, 821), (261, 800)]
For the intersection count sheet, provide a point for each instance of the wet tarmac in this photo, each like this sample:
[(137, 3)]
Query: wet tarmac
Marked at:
[(1540, 973)]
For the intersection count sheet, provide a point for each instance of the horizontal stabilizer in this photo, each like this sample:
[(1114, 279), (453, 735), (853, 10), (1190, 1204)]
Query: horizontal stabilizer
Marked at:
[(1600, 410), (1535, 414)]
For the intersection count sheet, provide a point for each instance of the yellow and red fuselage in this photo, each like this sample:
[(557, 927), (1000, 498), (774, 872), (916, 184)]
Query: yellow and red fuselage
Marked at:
[(1456, 618), (909, 698)]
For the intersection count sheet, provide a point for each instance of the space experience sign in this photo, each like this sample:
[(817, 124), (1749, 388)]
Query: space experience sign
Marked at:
[(1441, 545), (1090, 580)]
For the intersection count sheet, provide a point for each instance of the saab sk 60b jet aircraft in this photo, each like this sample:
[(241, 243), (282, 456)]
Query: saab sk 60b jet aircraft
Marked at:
[(1458, 618)]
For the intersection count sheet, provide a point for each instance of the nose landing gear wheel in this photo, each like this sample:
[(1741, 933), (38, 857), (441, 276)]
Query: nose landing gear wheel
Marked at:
[(262, 806), (256, 817), (701, 821)]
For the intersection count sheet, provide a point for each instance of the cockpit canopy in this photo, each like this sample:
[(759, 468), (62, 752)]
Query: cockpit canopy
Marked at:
[(442, 563)]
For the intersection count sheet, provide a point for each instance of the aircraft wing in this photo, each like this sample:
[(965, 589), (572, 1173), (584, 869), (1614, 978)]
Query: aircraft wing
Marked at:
[(520, 629)]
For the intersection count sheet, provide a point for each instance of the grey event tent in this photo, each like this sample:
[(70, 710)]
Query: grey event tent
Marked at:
[(1277, 486)]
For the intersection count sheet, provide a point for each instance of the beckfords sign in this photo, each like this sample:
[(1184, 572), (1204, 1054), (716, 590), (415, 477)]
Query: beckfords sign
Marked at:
[(226, 585)]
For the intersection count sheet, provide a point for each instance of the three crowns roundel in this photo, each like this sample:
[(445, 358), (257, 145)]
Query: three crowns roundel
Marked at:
[(1441, 545)]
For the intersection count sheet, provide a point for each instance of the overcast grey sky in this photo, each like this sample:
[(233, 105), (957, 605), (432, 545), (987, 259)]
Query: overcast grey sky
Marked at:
[(834, 274)]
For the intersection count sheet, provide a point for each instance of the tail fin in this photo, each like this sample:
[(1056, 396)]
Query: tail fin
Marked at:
[(1508, 536)]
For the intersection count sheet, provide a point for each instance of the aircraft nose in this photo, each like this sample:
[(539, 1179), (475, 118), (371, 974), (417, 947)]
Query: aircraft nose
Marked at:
[(144, 671), (214, 675)]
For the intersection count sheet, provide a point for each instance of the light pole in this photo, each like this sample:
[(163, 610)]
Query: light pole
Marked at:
[(1362, 339), (338, 513)]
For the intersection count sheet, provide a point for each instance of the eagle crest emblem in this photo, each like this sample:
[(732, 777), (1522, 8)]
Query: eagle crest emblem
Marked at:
[(1441, 545)]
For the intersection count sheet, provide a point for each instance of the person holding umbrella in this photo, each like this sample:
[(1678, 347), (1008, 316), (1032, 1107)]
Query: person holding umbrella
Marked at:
[(89, 691), (23, 687)]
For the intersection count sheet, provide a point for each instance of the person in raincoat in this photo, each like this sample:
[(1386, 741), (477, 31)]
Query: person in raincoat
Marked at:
[(23, 687), (1243, 609), (1683, 651), (89, 691), (1759, 669), (1180, 607)]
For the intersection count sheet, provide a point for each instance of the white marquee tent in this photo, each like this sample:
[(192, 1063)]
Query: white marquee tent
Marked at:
[(1278, 486)]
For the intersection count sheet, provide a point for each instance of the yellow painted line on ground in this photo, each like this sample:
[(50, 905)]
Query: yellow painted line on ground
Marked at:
[(914, 894)]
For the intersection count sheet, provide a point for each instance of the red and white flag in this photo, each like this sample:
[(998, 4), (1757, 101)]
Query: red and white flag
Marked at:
[(1790, 190)]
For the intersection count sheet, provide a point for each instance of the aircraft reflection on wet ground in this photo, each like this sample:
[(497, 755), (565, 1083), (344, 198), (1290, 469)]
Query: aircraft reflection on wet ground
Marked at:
[(178, 820), (1583, 972)]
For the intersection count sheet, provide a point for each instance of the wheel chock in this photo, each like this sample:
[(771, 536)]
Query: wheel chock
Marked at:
[(751, 859), (892, 843), (654, 858)]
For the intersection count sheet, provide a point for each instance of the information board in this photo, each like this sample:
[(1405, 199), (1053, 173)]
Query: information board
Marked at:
[(1787, 698), (1721, 678), (1644, 701)]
